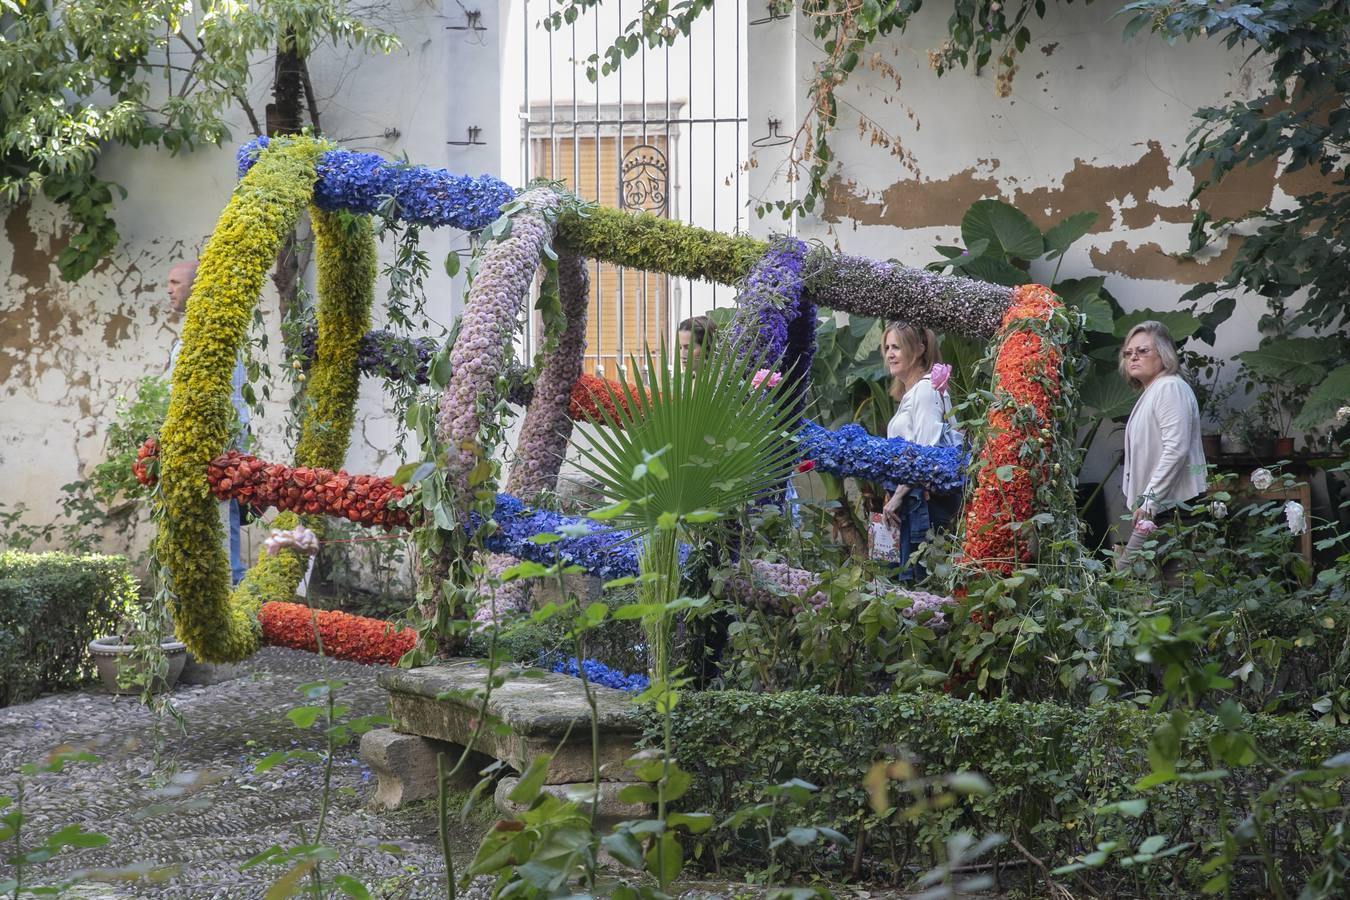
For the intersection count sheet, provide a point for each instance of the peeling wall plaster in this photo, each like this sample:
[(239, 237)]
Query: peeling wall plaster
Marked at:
[(1093, 123), (67, 351)]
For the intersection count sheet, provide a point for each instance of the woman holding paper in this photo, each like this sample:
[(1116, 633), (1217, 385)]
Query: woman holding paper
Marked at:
[(919, 382)]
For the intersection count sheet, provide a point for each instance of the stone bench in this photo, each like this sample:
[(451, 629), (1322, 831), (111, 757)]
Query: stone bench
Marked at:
[(435, 710)]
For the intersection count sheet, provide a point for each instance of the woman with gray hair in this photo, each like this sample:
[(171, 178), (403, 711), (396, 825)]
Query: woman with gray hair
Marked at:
[(1164, 461)]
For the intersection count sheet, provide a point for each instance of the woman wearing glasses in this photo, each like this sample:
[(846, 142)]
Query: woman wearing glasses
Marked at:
[(1164, 462)]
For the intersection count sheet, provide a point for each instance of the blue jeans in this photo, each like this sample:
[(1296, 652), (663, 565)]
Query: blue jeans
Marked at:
[(914, 524), (236, 564)]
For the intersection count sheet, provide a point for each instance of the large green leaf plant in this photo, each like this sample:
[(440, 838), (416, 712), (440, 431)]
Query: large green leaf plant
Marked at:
[(695, 444), (1004, 246)]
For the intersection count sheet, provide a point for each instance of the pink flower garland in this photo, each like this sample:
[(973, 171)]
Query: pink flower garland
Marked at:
[(773, 585), (505, 273), (548, 427)]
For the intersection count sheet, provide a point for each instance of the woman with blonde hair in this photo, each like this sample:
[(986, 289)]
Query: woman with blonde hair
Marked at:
[(919, 382), (1164, 460)]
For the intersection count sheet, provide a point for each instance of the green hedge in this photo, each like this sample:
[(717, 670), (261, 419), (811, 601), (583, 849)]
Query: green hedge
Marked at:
[(1050, 767), (51, 606)]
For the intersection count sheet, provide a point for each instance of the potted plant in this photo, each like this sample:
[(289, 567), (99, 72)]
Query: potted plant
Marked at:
[(1284, 368), (1212, 394), (143, 657)]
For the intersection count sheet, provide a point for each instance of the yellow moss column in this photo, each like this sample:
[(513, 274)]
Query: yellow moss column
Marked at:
[(345, 252), (237, 258)]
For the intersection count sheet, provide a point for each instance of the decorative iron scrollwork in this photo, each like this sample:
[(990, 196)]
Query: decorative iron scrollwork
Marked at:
[(644, 178)]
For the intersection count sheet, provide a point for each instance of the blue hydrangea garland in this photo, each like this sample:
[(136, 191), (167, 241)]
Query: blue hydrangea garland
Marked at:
[(360, 182), (383, 354), (603, 552), (596, 672), (852, 452)]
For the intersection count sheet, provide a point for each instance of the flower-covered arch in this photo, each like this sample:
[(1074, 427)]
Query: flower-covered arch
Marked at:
[(781, 284)]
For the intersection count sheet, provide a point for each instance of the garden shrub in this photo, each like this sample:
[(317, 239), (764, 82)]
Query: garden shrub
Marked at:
[(51, 606), (1051, 768)]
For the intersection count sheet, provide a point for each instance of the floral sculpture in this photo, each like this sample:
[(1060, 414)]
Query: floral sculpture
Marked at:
[(1017, 456), (780, 283), (216, 624)]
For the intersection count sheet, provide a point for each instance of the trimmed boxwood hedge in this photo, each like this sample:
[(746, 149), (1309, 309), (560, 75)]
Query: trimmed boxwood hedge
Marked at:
[(1051, 767), (51, 606)]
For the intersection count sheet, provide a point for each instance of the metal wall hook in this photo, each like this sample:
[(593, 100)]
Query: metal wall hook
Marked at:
[(773, 138), (473, 141), (777, 9), (473, 21)]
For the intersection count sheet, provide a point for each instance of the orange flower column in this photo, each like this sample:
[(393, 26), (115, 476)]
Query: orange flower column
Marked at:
[(1015, 458)]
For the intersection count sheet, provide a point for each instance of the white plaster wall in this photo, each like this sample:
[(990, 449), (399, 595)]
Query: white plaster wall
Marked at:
[(66, 351)]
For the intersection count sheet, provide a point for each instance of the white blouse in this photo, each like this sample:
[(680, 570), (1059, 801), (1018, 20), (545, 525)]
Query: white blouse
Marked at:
[(1164, 460), (920, 416)]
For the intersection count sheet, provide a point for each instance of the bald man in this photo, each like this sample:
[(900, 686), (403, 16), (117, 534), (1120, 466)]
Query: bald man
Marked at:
[(179, 286)]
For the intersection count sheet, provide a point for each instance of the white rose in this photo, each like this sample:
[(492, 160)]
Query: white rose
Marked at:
[(1218, 509), (1262, 479), (1343, 415), (1295, 517)]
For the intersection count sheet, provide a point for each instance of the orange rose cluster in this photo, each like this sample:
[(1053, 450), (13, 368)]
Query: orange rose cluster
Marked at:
[(233, 475), (590, 397), (1021, 434), (344, 636)]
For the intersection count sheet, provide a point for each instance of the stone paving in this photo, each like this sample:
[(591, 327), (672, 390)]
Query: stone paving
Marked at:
[(203, 810), (200, 811)]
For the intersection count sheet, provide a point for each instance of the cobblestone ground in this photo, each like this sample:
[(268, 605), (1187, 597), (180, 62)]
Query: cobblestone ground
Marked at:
[(199, 811), (203, 810)]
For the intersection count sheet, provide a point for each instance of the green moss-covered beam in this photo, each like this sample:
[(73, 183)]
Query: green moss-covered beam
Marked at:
[(344, 248), (853, 284), (645, 241)]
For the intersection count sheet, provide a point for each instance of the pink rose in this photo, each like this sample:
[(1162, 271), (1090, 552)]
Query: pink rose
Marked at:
[(773, 377), (941, 373), (1145, 526)]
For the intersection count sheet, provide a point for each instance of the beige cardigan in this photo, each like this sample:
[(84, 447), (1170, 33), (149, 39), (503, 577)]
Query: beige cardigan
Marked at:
[(1164, 461)]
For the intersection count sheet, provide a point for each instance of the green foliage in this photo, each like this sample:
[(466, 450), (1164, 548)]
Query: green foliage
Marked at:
[(303, 862), (1050, 770), (51, 606), (134, 421), (1297, 114), (77, 75), (27, 852), (695, 441)]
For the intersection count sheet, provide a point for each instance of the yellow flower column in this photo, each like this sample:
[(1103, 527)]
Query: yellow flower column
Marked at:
[(345, 250)]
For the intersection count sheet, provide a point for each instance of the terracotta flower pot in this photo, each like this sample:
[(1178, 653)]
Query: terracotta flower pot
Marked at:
[(1284, 447), (1213, 444), (111, 654)]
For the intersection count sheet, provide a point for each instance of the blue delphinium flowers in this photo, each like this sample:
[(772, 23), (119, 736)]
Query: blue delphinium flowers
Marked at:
[(600, 551), (854, 453), (596, 673), (361, 183), (383, 354)]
